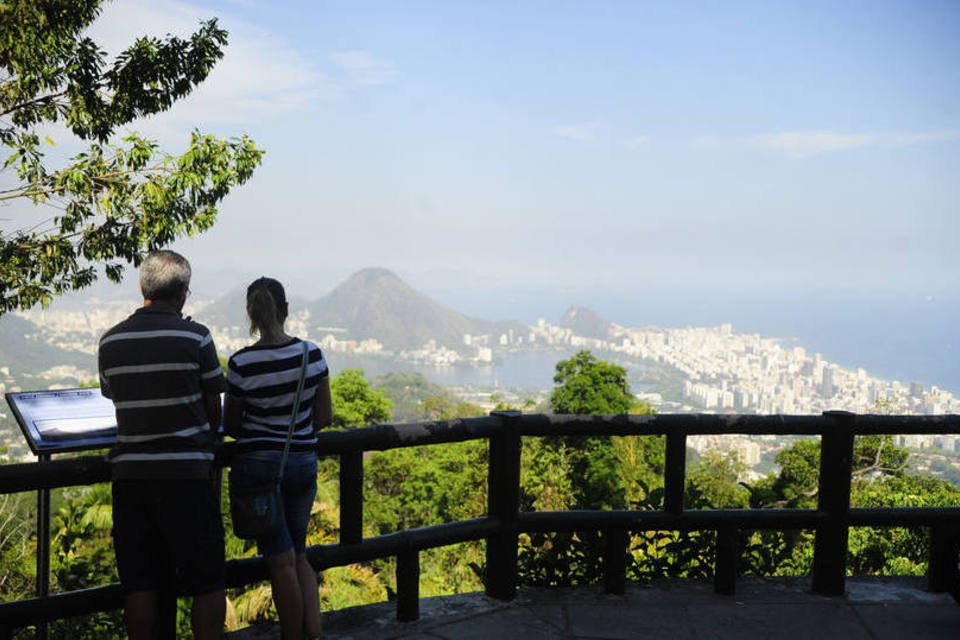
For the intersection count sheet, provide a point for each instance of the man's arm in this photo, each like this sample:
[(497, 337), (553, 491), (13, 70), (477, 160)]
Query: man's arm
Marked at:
[(212, 383), (104, 382), (211, 404)]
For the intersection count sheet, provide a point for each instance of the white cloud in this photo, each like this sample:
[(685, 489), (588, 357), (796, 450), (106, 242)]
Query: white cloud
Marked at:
[(363, 68), (578, 133), (260, 76), (801, 144), (637, 142)]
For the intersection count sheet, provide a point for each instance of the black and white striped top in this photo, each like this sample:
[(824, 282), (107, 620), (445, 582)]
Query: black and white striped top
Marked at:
[(265, 379), (156, 367)]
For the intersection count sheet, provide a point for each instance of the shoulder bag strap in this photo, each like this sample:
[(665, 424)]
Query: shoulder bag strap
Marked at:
[(296, 409)]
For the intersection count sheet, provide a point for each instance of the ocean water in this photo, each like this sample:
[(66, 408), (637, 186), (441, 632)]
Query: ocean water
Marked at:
[(906, 336)]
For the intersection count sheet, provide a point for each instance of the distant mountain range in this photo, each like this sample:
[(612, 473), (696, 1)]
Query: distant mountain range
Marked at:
[(23, 355), (373, 303)]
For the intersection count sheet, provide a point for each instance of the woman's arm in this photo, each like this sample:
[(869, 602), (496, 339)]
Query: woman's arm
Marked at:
[(232, 415), (322, 405)]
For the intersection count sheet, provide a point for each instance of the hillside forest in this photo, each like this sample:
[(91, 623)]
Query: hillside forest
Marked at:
[(420, 486)]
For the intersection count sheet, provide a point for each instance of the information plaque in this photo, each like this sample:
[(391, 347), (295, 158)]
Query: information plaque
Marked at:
[(65, 419)]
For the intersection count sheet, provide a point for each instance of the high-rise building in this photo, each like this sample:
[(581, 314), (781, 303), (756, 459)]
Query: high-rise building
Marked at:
[(828, 387)]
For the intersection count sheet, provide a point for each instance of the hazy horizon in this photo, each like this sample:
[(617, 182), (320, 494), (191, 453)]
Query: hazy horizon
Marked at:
[(776, 165), (739, 146)]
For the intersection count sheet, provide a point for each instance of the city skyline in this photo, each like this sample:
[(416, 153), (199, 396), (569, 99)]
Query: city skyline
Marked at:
[(908, 338), (723, 369)]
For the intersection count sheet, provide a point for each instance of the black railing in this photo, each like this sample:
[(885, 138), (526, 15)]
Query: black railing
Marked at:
[(504, 520)]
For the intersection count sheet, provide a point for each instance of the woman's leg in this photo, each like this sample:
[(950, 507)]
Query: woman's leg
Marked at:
[(312, 626), (287, 595)]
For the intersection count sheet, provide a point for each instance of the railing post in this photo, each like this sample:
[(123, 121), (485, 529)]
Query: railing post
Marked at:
[(351, 497), (675, 471), (503, 503), (833, 498), (408, 586), (942, 571), (615, 542), (725, 569)]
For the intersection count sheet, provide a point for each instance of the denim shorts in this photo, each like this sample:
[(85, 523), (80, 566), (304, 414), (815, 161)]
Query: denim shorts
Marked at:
[(298, 487)]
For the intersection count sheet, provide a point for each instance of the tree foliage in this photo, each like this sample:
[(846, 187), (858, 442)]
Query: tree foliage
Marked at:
[(415, 399), (583, 472), (17, 557), (445, 407), (585, 385), (407, 391), (355, 404), (113, 202), (716, 480)]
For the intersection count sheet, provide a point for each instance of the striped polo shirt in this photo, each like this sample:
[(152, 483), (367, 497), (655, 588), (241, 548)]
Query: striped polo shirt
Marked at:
[(264, 378), (156, 367)]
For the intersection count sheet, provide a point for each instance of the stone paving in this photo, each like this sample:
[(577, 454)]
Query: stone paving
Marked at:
[(781, 608)]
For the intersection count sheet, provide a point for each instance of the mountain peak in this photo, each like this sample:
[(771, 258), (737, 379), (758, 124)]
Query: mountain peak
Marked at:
[(374, 273), (376, 303), (586, 322)]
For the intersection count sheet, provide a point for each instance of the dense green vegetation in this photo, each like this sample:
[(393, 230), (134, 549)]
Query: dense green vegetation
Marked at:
[(408, 488)]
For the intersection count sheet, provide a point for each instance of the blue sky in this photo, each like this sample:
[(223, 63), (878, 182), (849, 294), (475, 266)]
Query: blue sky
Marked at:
[(749, 146)]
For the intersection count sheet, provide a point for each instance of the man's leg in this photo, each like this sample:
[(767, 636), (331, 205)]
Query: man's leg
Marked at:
[(193, 531), (208, 613), (139, 552), (141, 614)]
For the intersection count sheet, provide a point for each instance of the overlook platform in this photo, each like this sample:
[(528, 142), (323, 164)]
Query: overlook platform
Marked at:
[(872, 609)]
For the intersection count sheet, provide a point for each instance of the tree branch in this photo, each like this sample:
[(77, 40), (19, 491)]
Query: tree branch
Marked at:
[(41, 99), (12, 194)]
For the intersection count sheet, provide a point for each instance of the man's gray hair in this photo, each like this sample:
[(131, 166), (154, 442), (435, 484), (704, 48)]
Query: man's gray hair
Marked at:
[(164, 275)]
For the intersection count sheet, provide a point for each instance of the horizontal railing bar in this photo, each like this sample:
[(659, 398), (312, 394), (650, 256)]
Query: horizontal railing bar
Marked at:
[(661, 424), (904, 516), (69, 604), (241, 572), (907, 425), (701, 519), (390, 544), (30, 476), (414, 434), (711, 424)]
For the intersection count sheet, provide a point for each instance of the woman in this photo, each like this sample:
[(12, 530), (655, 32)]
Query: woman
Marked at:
[(261, 386)]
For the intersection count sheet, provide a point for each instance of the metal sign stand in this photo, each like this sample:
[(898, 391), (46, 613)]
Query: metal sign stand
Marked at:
[(43, 546), (58, 421)]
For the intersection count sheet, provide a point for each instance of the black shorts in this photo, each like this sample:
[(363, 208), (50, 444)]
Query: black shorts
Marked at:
[(168, 532)]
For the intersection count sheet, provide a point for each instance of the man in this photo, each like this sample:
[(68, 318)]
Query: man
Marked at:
[(162, 373)]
